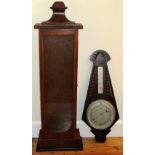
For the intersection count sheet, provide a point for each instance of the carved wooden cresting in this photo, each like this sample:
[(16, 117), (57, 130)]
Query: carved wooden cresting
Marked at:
[(58, 52)]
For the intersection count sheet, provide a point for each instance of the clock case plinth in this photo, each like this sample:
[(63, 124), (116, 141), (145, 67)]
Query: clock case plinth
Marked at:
[(58, 26), (100, 58), (60, 144)]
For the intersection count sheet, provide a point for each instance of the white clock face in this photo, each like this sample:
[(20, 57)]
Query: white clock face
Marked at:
[(100, 114)]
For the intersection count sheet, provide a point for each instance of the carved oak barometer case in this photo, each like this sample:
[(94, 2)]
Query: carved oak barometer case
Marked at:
[(58, 52), (100, 110)]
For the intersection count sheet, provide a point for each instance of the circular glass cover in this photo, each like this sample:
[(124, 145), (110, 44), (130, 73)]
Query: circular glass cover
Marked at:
[(100, 114)]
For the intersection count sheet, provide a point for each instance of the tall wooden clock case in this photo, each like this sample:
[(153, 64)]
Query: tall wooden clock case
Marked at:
[(58, 52)]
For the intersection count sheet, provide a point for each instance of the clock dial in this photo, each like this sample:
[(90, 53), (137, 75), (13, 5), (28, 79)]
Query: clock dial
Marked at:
[(100, 114)]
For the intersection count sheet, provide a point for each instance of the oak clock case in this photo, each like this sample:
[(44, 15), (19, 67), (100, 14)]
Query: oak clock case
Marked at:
[(100, 110), (58, 52)]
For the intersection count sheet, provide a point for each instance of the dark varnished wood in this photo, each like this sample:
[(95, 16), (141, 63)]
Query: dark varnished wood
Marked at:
[(100, 58), (58, 48)]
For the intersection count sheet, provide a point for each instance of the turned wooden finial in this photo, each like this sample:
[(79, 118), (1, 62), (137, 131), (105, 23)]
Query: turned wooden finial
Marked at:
[(58, 14), (58, 7), (58, 19)]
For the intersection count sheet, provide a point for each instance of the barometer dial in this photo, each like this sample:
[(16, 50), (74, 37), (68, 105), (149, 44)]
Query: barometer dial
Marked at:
[(100, 114)]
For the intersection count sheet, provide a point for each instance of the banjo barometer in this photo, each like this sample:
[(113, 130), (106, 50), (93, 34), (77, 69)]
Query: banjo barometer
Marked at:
[(100, 110), (58, 54)]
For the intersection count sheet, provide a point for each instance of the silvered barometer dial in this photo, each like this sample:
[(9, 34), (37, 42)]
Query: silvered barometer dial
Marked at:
[(100, 114), (100, 110)]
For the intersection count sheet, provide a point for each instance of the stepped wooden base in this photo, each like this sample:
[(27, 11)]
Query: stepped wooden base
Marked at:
[(59, 144)]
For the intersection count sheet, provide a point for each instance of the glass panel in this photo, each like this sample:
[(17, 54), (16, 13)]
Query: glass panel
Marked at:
[(58, 82)]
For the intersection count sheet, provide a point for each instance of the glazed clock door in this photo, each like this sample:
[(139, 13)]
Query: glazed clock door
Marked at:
[(58, 84)]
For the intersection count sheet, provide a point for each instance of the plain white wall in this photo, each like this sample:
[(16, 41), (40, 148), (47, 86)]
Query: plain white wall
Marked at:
[(102, 21)]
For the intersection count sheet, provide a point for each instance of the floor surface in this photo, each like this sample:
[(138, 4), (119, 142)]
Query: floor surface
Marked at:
[(112, 146)]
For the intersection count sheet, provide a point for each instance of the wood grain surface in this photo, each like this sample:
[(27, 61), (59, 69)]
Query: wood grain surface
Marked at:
[(112, 146)]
